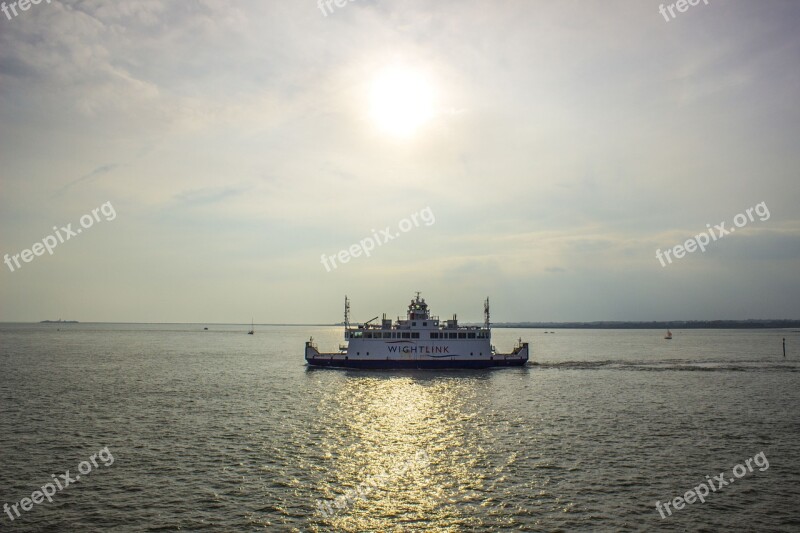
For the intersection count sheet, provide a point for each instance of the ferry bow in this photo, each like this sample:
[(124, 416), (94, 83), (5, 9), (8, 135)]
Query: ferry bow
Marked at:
[(419, 341)]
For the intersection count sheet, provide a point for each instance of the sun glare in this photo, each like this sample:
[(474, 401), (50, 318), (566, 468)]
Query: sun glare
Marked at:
[(401, 101)]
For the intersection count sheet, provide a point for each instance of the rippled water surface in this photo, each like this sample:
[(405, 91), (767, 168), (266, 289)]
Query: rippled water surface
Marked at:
[(220, 431)]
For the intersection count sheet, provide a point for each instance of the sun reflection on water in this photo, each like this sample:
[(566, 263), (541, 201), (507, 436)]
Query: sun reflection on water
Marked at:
[(378, 427)]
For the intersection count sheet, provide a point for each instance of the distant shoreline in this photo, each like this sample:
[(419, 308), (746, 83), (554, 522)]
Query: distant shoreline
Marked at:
[(672, 324)]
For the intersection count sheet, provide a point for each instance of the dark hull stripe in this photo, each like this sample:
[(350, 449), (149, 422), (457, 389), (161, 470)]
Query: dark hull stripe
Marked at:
[(377, 363)]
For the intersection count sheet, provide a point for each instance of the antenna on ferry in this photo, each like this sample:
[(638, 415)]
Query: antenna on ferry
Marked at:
[(346, 312), (486, 313)]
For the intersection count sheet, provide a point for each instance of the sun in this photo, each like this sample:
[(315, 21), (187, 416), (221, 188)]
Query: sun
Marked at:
[(401, 101)]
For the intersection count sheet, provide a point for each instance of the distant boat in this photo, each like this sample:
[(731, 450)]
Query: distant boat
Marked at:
[(668, 336), (252, 330)]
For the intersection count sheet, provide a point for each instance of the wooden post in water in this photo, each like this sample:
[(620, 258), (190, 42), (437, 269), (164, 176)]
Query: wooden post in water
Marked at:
[(784, 347)]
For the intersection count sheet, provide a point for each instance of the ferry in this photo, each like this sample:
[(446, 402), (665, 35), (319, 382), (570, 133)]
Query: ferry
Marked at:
[(419, 341)]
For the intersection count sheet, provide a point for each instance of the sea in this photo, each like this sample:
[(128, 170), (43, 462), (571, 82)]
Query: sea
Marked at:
[(172, 427)]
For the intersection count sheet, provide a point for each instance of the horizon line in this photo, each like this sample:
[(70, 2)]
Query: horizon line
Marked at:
[(528, 323)]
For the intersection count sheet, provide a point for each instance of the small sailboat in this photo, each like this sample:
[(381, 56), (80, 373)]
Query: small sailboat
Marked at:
[(668, 336), (252, 330)]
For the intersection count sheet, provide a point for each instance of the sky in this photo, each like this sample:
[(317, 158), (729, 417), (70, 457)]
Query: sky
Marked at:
[(538, 153)]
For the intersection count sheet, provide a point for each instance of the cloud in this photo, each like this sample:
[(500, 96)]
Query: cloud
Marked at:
[(91, 176), (589, 140)]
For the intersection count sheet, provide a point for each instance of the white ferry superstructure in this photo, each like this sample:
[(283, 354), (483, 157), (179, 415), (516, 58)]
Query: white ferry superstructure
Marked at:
[(419, 341)]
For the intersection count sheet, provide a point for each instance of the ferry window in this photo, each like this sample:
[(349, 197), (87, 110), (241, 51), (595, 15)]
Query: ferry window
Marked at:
[(367, 335), (462, 335), (471, 336), (394, 335), (434, 335), (415, 335), (424, 323), (356, 334), (406, 335), (413, 323), (387, 335), (452, 335)]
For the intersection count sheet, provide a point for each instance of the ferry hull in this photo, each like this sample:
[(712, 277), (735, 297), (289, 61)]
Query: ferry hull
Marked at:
[(429, 365), (519, 357)]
